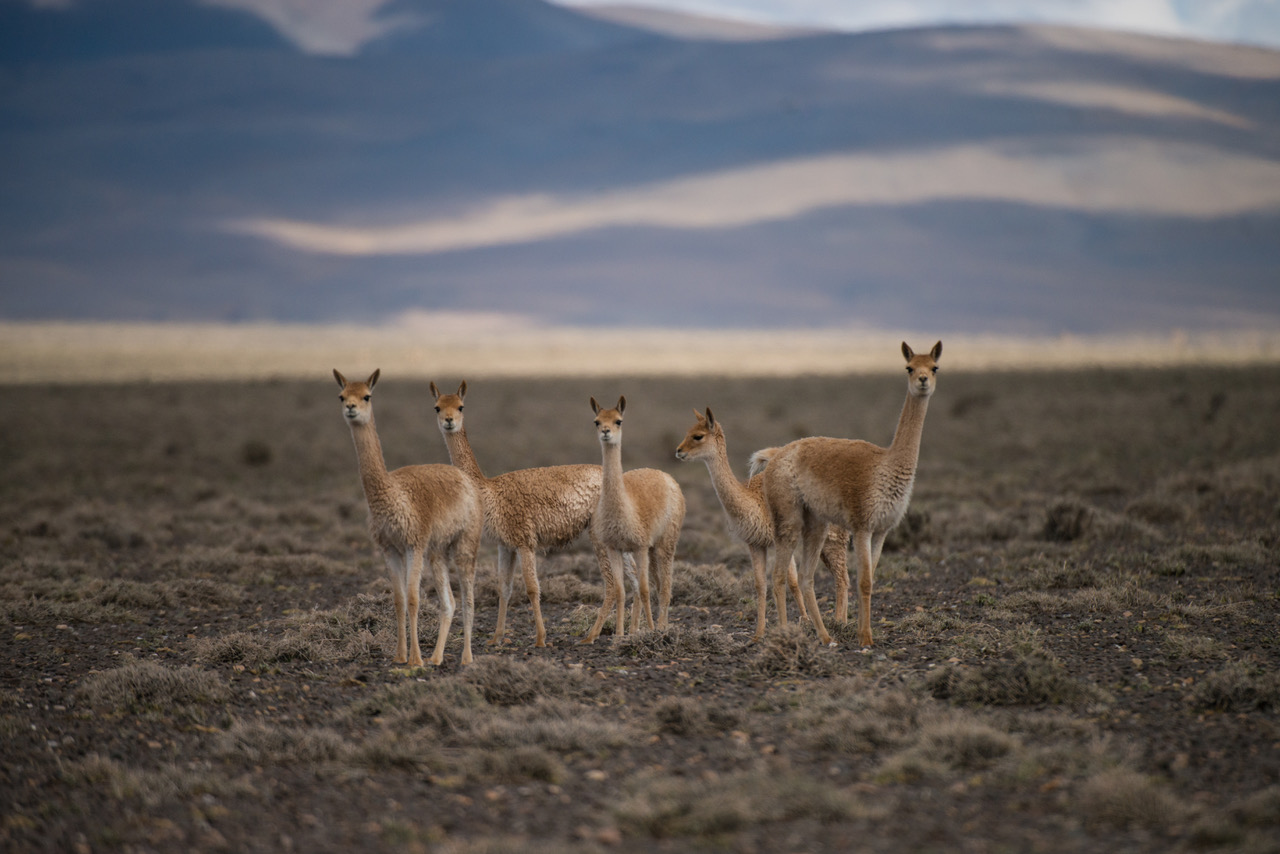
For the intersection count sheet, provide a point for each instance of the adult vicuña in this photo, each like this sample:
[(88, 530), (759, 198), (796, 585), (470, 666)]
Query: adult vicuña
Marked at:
[(416, 511), (813, 482), (749, 520), (640, 513), (526, 511)]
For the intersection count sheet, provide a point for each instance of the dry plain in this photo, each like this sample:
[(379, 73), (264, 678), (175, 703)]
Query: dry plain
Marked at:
[(1076, 628)]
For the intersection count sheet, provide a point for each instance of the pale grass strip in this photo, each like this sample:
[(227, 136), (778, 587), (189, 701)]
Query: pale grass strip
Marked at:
[(92, 352)]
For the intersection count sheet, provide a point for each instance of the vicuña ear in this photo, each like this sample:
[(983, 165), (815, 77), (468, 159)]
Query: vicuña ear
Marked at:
[(373, 377), (936, 351), (342, 381), (907, 352), (711, 419), (595, 407), (462, 389), (622, 404), (698, 415), (435, 392)]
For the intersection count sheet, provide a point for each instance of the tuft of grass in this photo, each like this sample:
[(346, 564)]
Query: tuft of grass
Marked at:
[(265, 744), (705, 585), (526, 762), (667, 807), (849, 716), (150, 788), (447, 708), (793, 651), (1125, 799), (1067, 520), (557, 725), (685, 716), (506, 681), (677, 643), (1026, 679), (145, 687), (1238, 687)]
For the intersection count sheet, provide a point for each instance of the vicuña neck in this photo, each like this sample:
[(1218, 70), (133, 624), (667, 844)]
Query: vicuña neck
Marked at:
[(733, 495), (460, 453), (906, 439), (613, 492), (373, 468)]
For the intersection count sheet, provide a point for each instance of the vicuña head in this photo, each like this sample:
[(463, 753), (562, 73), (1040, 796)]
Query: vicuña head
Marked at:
[(357, 397), (609, 421), (922, 370), (449, 408), (700, 442)]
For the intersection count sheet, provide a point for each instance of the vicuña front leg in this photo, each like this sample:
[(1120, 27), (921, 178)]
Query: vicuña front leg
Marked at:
[(413, 561), (643, 583), (398, 575), (868, 555)]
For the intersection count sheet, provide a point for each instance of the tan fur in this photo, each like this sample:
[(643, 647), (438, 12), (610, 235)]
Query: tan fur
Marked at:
[(416, 512), (640, 514), (526, 511), (750, 522), (814, 482)]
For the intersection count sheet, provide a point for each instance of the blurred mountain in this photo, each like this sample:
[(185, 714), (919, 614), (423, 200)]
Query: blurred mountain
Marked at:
[(169, 160), (489, 29), (97, 29)]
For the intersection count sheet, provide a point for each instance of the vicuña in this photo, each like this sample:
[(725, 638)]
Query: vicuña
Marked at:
[(815, 482), (416, 512)]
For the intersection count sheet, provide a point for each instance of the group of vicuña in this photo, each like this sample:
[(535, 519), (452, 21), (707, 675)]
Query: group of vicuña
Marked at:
[(815, 492)]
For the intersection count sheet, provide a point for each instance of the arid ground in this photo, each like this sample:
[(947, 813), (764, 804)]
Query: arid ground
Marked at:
[(1077, 629)]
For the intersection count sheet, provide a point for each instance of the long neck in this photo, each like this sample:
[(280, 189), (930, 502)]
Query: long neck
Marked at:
[(613, 492), (736, 499), (373, 469), (905, 449), (460, 453)]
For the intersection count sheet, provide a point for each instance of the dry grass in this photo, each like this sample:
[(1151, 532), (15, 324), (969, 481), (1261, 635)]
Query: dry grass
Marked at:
[(199, 635)]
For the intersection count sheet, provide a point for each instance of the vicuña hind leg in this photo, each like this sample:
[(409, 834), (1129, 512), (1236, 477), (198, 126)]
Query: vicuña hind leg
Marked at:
[(793, 582), (529, 568), (506, 584), (812, 537), (835, 554), (465, 565), (609, 574), (664, 555), (414, 560), (440, 570), (759, 559)]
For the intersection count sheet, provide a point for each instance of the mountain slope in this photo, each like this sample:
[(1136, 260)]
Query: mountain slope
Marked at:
[(98, 29)]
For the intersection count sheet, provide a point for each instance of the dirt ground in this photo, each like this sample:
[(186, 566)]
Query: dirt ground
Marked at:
[(1076, 630)]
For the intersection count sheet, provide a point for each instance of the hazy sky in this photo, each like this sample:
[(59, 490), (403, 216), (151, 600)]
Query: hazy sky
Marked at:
[(1255, 21), (340, 26)]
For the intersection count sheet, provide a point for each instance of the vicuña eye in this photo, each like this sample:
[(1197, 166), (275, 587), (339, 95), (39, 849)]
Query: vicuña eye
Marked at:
[(368, 397)]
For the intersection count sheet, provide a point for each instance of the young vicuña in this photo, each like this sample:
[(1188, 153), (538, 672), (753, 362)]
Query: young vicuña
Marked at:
[(416, 512), (640, 513), (526, 511), (749, 519), (814, 482)]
